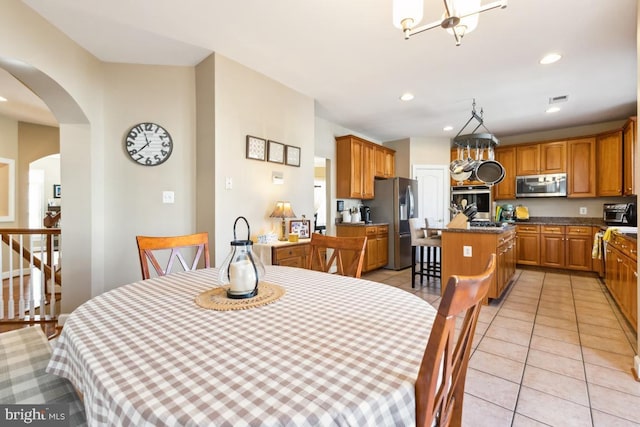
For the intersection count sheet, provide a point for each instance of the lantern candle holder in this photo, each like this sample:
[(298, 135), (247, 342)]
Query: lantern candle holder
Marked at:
[(241, 270)]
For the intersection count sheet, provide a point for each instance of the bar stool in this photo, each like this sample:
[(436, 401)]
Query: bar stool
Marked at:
[(418, 239)]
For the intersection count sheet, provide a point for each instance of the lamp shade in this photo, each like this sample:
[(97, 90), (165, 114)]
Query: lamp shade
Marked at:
[(407, 9), (282, 210)]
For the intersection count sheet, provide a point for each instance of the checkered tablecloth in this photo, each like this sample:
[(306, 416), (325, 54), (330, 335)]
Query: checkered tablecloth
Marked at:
[(333, 351)]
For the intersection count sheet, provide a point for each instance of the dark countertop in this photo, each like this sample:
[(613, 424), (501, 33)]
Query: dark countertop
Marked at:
[(484, 230), (360, 224)]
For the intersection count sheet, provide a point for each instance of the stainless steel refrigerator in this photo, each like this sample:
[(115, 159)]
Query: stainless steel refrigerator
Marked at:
[(396, 200)]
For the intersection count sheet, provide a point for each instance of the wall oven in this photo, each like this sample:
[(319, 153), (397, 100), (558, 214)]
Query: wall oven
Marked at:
[(478, 194)]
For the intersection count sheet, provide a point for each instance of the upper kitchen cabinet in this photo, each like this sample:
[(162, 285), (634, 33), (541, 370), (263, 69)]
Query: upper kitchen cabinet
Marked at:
[(356, 167), (506, 189), (629, 157), (385, 162), (581, 167), (609, 164), (536, 159)]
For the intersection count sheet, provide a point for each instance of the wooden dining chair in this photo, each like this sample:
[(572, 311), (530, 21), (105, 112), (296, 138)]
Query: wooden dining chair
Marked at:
[(346, 254), (441, 379), (148, 247)]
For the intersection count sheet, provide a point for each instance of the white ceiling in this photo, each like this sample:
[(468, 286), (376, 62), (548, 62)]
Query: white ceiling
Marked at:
[(349, 57)]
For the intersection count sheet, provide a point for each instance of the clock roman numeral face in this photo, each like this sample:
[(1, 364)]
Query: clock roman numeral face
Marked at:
[(148, 144)]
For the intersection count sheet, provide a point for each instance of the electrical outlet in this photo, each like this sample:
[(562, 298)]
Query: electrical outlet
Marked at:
[(467, 251), (583, 210)]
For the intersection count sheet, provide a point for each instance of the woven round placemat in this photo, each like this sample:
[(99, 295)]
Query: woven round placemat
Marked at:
[(216, 298)]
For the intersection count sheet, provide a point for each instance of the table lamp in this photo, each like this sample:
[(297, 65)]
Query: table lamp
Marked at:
[(282, 210)]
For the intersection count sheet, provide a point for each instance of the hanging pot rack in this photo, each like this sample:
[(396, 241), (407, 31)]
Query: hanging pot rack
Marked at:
[(478, 140)]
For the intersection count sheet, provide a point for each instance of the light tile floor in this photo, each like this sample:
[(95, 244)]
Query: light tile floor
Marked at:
[(554, 350)]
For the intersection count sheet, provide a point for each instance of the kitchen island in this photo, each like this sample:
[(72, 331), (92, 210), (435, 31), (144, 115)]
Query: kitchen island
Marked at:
[(466, 252)]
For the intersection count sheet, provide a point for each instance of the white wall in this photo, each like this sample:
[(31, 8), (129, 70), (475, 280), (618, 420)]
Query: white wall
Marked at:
[(132, 195), (249, 103)]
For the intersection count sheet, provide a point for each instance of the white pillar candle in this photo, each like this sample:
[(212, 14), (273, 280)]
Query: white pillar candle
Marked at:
[(242, 276)]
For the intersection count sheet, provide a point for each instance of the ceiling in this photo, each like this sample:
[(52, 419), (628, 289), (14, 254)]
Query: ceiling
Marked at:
[(349, 57)]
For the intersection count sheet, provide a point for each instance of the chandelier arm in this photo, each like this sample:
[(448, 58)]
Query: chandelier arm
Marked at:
[(447, 12), (422, 28), (502, 4)]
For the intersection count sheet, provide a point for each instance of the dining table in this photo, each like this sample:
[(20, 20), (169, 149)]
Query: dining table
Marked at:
[(329, 351)]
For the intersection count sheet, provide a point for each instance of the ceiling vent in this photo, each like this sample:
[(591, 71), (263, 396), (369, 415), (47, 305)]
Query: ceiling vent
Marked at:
[(558, 99)]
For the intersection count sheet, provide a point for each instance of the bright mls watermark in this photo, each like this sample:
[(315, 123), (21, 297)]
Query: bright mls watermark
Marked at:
[(51, 415)]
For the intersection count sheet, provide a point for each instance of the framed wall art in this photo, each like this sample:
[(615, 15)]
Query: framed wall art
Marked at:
[(292, 155), (256, 148), (301, 227), (275, 153)]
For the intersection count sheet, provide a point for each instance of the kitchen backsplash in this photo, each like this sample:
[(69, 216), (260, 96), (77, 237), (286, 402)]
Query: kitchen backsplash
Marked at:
[(565, 207)]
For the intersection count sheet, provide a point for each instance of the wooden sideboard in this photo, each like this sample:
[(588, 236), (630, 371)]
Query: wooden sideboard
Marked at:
[(289, 254)]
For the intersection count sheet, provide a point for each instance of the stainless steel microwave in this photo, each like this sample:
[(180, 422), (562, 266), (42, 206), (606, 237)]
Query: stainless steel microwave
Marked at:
[(548, 185)]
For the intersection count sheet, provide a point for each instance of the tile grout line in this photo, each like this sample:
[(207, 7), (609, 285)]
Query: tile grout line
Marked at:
[(515, 409)]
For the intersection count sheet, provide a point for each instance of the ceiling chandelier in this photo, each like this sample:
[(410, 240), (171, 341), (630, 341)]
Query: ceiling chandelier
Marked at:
[(459, 18)]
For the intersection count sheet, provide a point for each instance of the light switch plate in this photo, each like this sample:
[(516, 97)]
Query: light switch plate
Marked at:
[(168, 197)]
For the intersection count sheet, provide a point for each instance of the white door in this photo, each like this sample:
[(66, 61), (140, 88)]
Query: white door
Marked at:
[(433, 193)]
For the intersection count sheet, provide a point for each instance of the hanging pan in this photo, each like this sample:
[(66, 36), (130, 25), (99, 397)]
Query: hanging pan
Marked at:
[(490, 172)]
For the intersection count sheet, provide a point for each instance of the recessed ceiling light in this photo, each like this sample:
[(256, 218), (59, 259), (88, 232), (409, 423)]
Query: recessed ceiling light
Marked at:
[(3, 99), (550, 58), (553, 110), (447, 128), (406, 96)]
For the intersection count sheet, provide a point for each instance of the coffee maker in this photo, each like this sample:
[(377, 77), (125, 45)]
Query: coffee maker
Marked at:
[(365, 214)]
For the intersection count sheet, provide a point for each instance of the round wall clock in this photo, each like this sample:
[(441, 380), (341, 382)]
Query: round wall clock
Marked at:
[(148, 144)]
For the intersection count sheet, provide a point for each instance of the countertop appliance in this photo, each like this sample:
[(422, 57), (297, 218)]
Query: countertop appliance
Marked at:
[(480, 195), (620, 214), (396, 200), (507, 213), (365, 214), (547, 185)]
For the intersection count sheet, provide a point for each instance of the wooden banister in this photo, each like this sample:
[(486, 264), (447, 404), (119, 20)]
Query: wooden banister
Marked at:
[(26, 253)]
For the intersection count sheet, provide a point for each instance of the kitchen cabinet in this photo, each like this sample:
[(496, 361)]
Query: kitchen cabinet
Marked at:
[(506, 262), (506, 156), (581, 167), (291, 254), (578, 247), (552, 248), (467, 252), (629, 156), (356, 166), (376, 251), (528, 244), (609, 164), (621, 276), (541, 158), (384, 162), (566, 247)]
